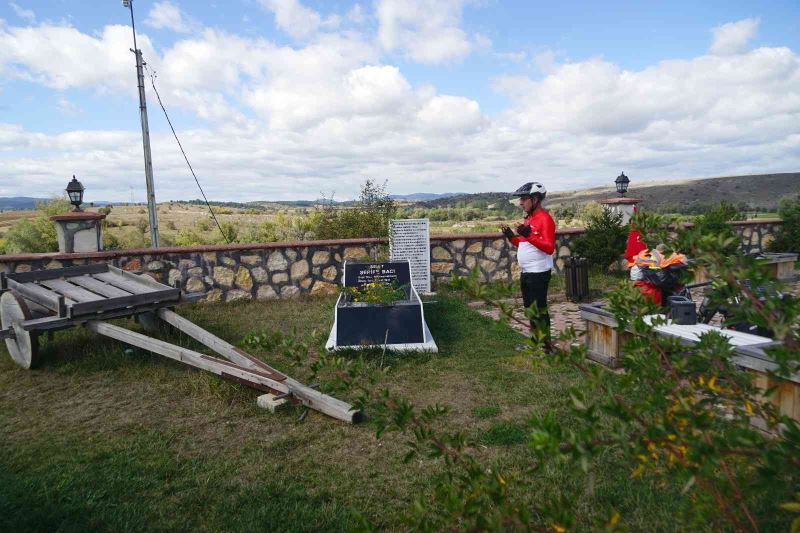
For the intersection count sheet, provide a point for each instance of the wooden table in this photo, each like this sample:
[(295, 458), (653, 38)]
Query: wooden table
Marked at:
[(604, 342)]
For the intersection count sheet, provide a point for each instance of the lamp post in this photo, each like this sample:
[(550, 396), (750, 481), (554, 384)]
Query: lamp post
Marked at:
[(622, 182), (75, 192), (148, 160)]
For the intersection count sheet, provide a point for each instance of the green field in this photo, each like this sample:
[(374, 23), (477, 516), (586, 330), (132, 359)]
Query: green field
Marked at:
[(101, 438)]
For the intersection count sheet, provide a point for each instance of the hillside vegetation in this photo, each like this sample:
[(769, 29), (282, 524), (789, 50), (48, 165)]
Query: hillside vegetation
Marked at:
[(760, 192)]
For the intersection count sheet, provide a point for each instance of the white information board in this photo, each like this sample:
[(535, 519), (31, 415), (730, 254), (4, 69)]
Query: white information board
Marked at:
[(410, 239)]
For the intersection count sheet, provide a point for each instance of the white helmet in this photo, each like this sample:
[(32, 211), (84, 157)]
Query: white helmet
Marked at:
[(531, 188)]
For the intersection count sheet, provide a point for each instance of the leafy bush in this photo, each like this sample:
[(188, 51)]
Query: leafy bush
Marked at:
[(263, 232), (203, 224), (188, 237), (369, 217), (603, 243), (787, 237), (35, 235), (142, 224), (680, 418), (714, 221)]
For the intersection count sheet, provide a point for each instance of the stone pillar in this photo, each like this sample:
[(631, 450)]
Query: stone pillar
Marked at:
[(79, 231), (623, 205)]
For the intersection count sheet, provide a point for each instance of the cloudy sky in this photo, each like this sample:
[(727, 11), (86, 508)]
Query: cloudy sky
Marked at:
[(290, 99)]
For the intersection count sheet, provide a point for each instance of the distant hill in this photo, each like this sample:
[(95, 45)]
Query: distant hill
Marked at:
[(17, 203), (421, 196), (761, 192)]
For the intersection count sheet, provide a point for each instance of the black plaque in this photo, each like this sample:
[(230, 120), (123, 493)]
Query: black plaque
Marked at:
[(359, 274)]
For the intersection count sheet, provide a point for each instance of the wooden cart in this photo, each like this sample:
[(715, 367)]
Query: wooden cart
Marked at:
[(32, 303)]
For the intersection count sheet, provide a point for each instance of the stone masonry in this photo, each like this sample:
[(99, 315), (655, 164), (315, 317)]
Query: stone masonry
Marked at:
[(288, 270)]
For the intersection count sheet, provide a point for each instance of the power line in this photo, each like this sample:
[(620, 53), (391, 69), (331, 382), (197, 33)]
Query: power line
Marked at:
[(152, 75)]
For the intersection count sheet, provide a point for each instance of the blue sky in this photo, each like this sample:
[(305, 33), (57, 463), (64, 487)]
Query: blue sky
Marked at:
[(285, 99)]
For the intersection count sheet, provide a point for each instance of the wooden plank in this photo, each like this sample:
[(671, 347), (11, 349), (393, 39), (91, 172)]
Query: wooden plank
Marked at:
[(223, 348), (123, 283), (184, 355), (99, 287), (54, 273), (73, 292), (307, 396), (599, 319), (131, 301), (44, 297), (138, 278), (55, 323)]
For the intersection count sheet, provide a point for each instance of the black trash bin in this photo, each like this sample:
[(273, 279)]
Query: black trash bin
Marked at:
[(576, 276)]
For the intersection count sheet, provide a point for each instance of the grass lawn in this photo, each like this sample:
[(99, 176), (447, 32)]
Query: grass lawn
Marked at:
[(102, 437)]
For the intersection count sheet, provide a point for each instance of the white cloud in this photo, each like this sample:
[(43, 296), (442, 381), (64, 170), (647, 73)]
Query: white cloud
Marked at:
[(451, 114), (284, 122), (25, 14), (166, 15), (428, 31), (356, 14), (297, 20), (732, 38), (68, 108), (61, 57)]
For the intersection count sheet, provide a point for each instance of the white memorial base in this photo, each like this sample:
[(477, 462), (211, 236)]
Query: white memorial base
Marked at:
[(428, 346)]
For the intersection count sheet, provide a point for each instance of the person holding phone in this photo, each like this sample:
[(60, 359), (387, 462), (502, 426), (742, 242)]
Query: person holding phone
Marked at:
[(535, 239)]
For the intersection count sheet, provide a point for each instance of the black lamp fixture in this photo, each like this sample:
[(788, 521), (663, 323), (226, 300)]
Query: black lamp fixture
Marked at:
[(622, 182), (75, 191)]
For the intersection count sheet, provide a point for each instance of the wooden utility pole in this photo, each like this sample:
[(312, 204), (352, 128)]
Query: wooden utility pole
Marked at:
[(148, 160)]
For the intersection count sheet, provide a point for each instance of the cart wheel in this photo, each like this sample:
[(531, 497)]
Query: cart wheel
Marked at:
[(24, 347)]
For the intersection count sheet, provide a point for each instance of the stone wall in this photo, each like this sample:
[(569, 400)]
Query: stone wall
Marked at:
[(756, 235), (495, 258), (287, 270)]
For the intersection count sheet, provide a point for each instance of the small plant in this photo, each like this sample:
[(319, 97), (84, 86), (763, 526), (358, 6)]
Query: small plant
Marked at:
[(604, 240), (142, 224), (377, 292)]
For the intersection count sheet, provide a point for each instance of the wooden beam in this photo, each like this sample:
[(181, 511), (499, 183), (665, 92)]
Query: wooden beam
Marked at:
[(123, 283), (53, 323), (73, 292), (225, 349), (184, 355), (143, 279), (304, 394), (100, 287), (131, 302), (54, 273), (46, 298)]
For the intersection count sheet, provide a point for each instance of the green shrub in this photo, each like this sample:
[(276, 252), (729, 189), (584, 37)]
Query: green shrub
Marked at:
[(142, 224), (603, 243), (202, 224), (263, 232), (787, 236), (714, 221), (188, 237), (37, 235), (369, 217)]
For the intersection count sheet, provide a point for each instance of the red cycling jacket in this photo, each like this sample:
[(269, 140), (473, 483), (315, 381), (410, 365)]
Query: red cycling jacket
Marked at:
[(543, 232)]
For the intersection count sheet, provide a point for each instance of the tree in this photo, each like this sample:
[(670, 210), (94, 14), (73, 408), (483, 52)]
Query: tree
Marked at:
[(603, 242), (787, 236), (369, 217)]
